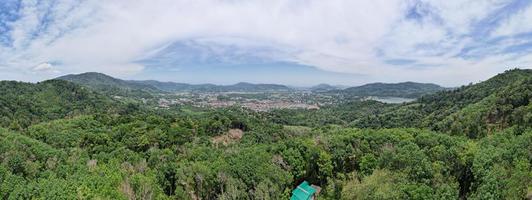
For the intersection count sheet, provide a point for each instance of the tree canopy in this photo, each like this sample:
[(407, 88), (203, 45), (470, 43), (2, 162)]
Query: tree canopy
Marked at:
[(60, 140)]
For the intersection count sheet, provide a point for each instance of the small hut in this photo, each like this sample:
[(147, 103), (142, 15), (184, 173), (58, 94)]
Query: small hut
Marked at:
[(304, 191)]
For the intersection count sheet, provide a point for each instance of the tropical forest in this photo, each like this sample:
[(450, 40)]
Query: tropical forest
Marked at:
[(70, 138)]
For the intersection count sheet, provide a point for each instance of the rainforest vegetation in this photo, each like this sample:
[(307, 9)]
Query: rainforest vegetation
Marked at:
[(61, 140)]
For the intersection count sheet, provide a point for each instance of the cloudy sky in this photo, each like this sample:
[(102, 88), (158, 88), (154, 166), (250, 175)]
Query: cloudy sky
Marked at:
[(297, 42)]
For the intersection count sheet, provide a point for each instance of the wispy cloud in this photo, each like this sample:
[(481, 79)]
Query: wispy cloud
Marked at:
[(449, 42)]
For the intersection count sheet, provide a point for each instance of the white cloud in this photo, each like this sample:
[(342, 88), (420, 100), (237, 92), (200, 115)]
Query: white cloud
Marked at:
[(518, 23), (334, 35), (45, 67)]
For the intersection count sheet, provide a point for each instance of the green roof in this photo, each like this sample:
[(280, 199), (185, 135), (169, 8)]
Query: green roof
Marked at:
[(303, 192)]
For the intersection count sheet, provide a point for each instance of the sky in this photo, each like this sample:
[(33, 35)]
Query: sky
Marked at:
[(294, 42)]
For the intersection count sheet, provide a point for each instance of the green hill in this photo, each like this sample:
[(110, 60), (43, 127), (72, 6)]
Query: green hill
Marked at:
[(175, 87), (117, 86), (323, 88), (239, 87), (23, 104), (405, 89), (99, 80), (475, 110)]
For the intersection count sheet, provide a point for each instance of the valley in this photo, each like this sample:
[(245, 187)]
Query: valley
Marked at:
[(95, 138), (265, 100), (257, 97)]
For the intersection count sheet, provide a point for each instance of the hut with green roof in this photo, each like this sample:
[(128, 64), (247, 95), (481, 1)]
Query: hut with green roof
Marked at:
[(304, 191)]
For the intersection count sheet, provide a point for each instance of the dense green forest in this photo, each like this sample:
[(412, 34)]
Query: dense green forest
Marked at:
[(404, 89), (60, 140)]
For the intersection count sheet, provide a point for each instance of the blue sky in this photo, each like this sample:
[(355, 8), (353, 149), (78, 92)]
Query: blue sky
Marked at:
[(296, 42)]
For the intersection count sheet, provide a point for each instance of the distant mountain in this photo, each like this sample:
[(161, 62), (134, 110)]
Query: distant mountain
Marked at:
[(175, 87), (404, 89), (323, 88), (239, 87), (105, 82), (243, 86), (117, 86)]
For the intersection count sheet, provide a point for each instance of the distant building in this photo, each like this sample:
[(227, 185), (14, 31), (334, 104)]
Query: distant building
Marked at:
[(164, 103), (304, 191)]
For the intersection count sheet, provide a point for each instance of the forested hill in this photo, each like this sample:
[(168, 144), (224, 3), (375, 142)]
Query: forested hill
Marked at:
[(323, 87), (404, 89), (110, 84), (23, 104), (104, 82), (239, 87), (243, 86), (474, 110)]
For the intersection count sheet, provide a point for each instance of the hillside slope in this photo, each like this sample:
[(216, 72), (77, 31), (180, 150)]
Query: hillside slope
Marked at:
[(474, 110), (99, 80), (405, 89), (23, 104), (110, 84), (323, 88)]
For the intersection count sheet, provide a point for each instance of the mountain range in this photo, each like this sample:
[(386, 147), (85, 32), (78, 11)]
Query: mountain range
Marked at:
[(102, 81), (99, 80), (498, 102)]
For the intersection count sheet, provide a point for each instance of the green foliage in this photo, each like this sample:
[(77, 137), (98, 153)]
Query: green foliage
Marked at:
[(110, 85), (68, 142), (474, 110), (24, 104), (344, 114), (405, 89), (381, 184)]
